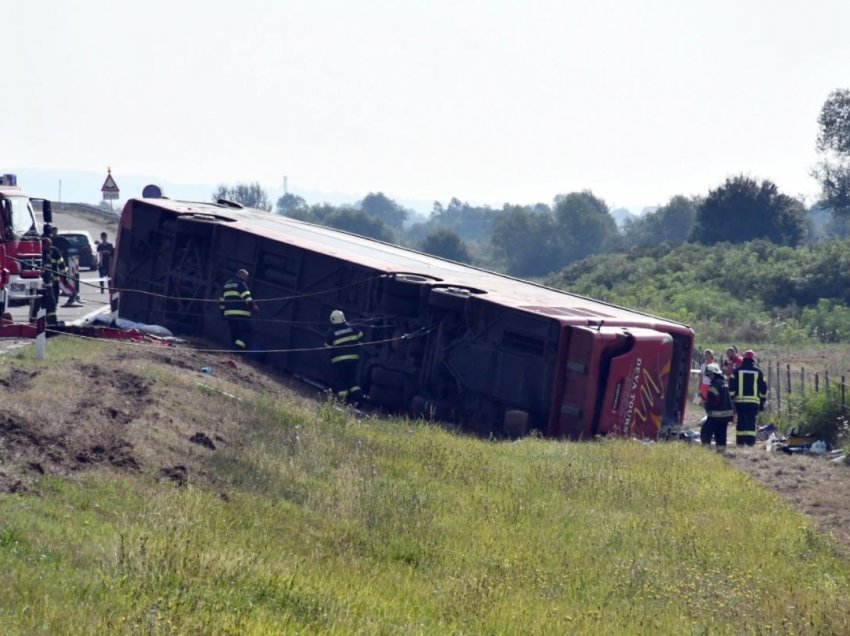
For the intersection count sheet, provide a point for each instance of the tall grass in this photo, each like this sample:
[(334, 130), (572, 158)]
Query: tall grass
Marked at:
[(315, 522)]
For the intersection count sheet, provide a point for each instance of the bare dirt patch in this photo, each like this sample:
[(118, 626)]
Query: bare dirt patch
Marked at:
[(139, 410), (816, 486)]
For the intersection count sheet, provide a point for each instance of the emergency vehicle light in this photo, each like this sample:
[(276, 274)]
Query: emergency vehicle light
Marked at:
[(9, 180)]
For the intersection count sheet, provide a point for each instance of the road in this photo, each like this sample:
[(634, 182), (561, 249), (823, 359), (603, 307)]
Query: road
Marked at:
[(90, 287), (89, 293)]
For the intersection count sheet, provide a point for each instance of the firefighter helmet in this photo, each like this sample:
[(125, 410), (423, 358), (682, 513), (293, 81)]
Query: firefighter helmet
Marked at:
[(337, 317), (712, 369), (749, 354)]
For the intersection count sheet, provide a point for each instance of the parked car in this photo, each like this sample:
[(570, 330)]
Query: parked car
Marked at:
[(82, 246)]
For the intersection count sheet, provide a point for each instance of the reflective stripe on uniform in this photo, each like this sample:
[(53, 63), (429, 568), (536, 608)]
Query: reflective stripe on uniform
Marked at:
[(236, 312), (727, 413), (750, 398), (345, 339), (240, 343), (347, 356)]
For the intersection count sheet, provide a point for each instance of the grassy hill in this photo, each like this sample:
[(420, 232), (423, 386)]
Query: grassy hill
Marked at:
[(144, 495)]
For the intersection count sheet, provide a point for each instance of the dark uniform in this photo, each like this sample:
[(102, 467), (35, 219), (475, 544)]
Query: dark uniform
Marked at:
[(236, 306), (53, 266), (343, 339), (749, 393), (718, 410), (104, 251)]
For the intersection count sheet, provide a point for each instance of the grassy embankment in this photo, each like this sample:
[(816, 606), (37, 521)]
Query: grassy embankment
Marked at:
[(311, 521)]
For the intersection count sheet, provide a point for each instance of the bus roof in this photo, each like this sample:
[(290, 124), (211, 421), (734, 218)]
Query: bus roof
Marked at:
[(563, 306)]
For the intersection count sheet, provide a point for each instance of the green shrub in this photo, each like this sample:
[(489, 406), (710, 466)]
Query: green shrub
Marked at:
[(821, 415)]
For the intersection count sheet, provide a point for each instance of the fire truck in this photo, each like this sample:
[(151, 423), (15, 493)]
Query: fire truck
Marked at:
[(20, 243), (443, 340)]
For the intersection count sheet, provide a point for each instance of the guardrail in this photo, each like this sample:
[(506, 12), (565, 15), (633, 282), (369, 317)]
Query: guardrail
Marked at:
[(71, 208)]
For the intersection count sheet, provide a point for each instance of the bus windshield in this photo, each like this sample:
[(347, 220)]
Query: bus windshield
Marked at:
[(23, 219)]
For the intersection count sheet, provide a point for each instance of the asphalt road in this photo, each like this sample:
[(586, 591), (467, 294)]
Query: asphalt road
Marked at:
[(89, 293)]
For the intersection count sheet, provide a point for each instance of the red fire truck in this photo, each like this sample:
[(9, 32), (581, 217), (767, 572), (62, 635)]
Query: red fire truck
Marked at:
[(20, 241), (443, 340)]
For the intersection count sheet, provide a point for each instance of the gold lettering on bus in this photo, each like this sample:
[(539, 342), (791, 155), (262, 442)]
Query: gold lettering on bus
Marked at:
[(647, 397)]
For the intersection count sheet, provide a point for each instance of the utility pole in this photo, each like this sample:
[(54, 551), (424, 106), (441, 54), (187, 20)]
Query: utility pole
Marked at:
[(285, 184), (60, 191)]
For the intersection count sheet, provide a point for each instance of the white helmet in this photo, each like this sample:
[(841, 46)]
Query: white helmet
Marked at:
[(337, 317)]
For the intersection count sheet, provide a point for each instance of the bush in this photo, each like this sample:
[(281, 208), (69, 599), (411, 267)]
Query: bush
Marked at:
[(821, 415)]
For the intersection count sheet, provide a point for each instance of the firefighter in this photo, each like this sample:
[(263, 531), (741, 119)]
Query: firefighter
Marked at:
[(343, 340), (53, 266), (718, 408), (236, 307), (749, 393)]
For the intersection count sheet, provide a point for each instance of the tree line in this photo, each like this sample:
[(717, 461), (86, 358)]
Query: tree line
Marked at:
[(555, 239)]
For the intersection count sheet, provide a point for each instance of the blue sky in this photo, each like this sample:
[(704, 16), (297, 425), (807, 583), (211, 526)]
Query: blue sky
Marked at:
[(490, 102)]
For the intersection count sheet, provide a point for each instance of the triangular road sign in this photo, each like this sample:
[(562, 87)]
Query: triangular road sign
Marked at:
[(109, 185)]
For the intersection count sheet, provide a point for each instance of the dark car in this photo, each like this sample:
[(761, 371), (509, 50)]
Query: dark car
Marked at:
[(82, 246)]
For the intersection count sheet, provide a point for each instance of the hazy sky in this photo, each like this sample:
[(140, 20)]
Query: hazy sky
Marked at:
[(490, 102)]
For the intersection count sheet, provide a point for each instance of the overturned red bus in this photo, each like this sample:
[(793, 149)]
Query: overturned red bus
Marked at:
[(491, 353)]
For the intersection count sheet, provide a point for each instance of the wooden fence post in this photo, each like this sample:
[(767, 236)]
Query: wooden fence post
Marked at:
[(778, 390), (817, 383), (788, 377)]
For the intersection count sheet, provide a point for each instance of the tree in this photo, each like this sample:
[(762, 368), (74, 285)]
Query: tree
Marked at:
[(671, 223), (290, 204), (833, 172), (380, 206), (585, 226), (251, 195), (743, 210), (446, 244), (470, 223), (358, 222), (526, 242)]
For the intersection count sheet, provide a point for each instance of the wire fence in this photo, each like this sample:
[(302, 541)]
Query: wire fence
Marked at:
[(786, 383)]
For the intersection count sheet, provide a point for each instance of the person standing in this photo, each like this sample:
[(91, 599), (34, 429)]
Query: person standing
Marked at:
[(53, 266), (705, 380), (237, 305), (66, 250), (343, 339), (749, 394), (104, 259), (718, 409), (732, 361)]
